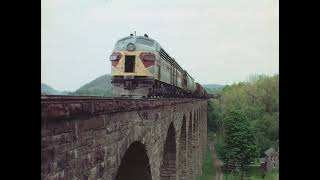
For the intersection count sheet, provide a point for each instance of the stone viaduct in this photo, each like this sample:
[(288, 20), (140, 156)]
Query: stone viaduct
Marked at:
[(122, 139)]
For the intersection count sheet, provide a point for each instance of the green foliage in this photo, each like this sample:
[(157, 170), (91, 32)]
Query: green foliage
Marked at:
[(208, 169), (258, 100), (239, 140), (219, 143), (211, 135), (212, 117), (272, 175), (254, 173)]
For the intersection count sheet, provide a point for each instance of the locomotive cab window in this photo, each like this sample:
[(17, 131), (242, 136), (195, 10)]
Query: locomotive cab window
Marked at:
[(129, 63)]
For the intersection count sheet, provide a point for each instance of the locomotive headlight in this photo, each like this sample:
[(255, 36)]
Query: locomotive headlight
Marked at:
[(130, 47), (116, 56), (113, 57)]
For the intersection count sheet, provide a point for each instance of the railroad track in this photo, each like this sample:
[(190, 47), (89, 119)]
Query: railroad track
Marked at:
[(68, 97)]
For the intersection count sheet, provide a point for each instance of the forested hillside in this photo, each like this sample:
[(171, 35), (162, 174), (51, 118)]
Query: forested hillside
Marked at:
[(257, 102), (48, 90), (213, 88), (101, 86)]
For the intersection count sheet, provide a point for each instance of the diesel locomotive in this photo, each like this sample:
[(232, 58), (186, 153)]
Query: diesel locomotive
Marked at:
[(140, 67)]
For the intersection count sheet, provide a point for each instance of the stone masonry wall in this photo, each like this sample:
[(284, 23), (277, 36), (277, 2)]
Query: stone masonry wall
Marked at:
[(91, 146)]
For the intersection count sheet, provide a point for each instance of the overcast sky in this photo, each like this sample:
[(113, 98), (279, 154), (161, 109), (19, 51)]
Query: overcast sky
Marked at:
[(216, 41)]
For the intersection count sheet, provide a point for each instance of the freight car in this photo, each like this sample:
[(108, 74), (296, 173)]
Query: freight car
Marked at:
[(142, 68), (200, 92)]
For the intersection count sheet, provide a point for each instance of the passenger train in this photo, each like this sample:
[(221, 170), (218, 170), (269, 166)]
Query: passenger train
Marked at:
[(142, 68)]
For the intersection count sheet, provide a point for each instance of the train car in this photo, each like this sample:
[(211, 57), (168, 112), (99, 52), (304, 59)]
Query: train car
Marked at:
[(141, 67), (206, 94), (199, 91), (191, 84)]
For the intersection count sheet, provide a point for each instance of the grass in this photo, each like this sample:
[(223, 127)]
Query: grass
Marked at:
[(255, 174), (208, 170), (255, 170), (272, 175)]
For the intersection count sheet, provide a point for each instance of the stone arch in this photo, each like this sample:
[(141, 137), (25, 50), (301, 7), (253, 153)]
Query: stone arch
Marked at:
[(168, 166), (182, 160), (135, 164)]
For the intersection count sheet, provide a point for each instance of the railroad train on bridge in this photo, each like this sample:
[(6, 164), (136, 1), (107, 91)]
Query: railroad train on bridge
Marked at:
[(140, 67)]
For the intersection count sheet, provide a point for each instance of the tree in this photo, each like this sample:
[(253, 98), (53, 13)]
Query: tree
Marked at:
[(240, 147), (258, 100)]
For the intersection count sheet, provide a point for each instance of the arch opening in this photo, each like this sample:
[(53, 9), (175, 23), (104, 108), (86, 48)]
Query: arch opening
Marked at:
[(168, 166), (134, 164)]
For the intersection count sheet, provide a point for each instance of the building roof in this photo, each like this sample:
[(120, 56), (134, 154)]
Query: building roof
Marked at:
[(270, 151)]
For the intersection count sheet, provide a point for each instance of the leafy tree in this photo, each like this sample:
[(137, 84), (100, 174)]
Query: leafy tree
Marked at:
[(213, 116), (258, 100), (239, 144)]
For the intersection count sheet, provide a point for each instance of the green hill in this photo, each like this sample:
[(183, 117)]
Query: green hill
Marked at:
[(101, 86), (213, 88), (48, 90)]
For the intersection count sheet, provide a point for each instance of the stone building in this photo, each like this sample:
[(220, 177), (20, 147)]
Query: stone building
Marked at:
[(271, 160)]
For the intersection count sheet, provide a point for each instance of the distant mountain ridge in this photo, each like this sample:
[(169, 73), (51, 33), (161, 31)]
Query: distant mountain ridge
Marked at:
[(100, 86), (48, 90), (213, 86)]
